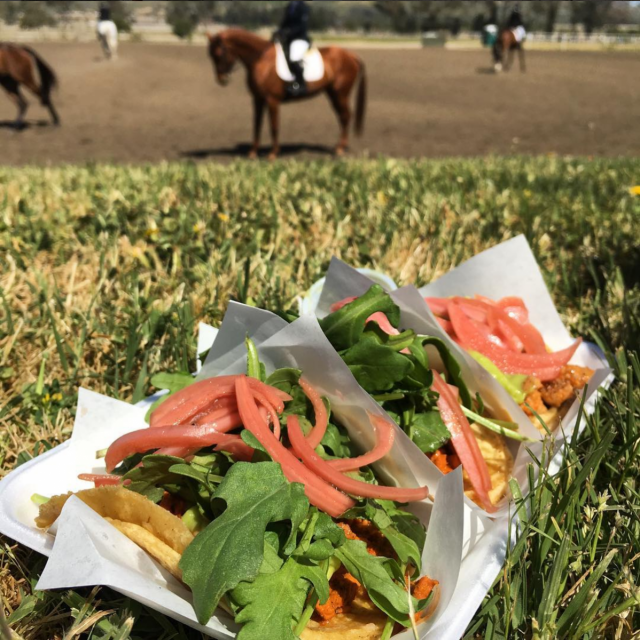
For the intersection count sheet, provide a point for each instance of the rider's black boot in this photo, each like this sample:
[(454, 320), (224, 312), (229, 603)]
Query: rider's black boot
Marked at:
[(298, 87)]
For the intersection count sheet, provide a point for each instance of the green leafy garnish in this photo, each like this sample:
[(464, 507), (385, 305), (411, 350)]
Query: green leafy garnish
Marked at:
[(344, 327), (230, 549), (376, 366), (273, 602)]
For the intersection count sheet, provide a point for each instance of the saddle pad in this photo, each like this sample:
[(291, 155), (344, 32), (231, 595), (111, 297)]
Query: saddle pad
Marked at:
[(311, 60), (519, 33)]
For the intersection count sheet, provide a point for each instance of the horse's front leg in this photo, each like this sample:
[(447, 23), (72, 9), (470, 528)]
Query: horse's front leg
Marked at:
[(274, 119), (258, 113), (523, 66)]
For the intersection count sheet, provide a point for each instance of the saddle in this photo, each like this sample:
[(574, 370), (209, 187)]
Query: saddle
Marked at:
[(300, 51)]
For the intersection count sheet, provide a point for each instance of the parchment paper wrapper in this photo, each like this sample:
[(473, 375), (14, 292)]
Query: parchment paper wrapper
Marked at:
[(507, 269), (87, 550)]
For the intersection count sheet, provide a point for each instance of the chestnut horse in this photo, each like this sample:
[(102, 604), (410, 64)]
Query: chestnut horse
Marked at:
[(341, 71), (503, 48), (18, 66)]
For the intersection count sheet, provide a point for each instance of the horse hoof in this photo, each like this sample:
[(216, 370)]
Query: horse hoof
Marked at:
[(339, 152), (253, 155), (273, 157)]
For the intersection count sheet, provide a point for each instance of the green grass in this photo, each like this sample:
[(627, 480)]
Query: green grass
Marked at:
[(105, 272)]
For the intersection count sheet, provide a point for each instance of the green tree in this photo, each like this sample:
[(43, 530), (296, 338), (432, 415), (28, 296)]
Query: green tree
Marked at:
[(183, 18), (35, 15), (591, 13), (10, 12), (121, 15)]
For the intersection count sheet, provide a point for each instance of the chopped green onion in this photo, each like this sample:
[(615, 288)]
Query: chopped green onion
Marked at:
[(497, 428), (253, 360), (36, 498), (101, 453), (388, 629)]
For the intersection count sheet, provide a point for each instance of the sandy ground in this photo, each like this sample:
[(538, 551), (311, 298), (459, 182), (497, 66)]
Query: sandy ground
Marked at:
[(160, 102)]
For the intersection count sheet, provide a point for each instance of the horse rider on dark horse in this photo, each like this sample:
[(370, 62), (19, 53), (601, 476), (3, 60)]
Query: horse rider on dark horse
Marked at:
[(510, 39), (294, 26)]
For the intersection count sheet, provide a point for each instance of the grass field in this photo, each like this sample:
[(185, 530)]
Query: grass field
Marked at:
[(105, 272)]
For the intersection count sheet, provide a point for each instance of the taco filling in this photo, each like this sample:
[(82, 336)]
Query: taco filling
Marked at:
[(501, 338), (249, 490), (419, 383)]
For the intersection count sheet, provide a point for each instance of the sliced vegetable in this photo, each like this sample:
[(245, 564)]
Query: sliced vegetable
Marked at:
[(321, 418), (473, 335), (385, 435), (190, 436), (319, 493), (464, 442), (355, 487)]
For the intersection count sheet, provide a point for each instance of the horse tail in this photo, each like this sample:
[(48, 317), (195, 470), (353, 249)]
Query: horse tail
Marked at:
[(48, 78), (361, 100)]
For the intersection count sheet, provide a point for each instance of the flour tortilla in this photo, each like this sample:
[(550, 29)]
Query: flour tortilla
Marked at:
[(165, 537)]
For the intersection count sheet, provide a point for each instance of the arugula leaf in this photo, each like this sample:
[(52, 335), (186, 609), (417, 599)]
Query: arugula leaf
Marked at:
[(452, 366), (274, 602), (407, 523), (428, 431), (337, 441), (156, 470), (231, 549), (344, 327), (374, 572), (284, 379), (173, 382), (376, 366), (405, 547)]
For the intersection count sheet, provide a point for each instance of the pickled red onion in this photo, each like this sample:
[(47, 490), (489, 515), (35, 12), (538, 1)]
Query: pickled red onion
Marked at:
[(357, 488), (321, 418), (319, 493), (385, 435), (191, 436), (464, 442)]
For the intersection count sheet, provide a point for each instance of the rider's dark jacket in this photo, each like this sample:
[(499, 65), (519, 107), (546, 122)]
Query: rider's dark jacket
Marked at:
[(295, 23), (104, 13), (515, 20)]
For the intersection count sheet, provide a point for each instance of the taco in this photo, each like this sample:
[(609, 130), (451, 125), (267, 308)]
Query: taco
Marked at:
[(501, 338), (419, 383), (249, 491)]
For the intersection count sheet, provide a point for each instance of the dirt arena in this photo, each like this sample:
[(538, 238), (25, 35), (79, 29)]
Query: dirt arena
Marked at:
[(160, 102)]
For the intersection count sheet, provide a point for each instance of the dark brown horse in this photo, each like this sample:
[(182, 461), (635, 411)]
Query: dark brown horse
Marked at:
[(23, 66), (503, 51), (341, 71)]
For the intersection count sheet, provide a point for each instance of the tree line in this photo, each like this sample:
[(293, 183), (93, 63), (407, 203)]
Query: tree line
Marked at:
[(398, 16)]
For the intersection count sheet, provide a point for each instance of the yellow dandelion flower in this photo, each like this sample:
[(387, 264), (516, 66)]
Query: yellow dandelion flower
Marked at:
[(381, 197), (527, 193), (199, 227), (635, 191), (224, 217), (46, 399), (56, 397), (152, 230)]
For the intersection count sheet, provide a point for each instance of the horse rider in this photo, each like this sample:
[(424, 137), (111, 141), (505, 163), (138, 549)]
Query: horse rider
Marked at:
[(104, 12), (294, 26), (516, 23), (490, 29)]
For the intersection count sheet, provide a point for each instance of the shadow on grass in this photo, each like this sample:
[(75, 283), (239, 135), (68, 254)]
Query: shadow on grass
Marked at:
[(242, 150)]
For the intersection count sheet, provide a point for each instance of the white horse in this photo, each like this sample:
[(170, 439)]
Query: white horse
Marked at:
[(108, 36)]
